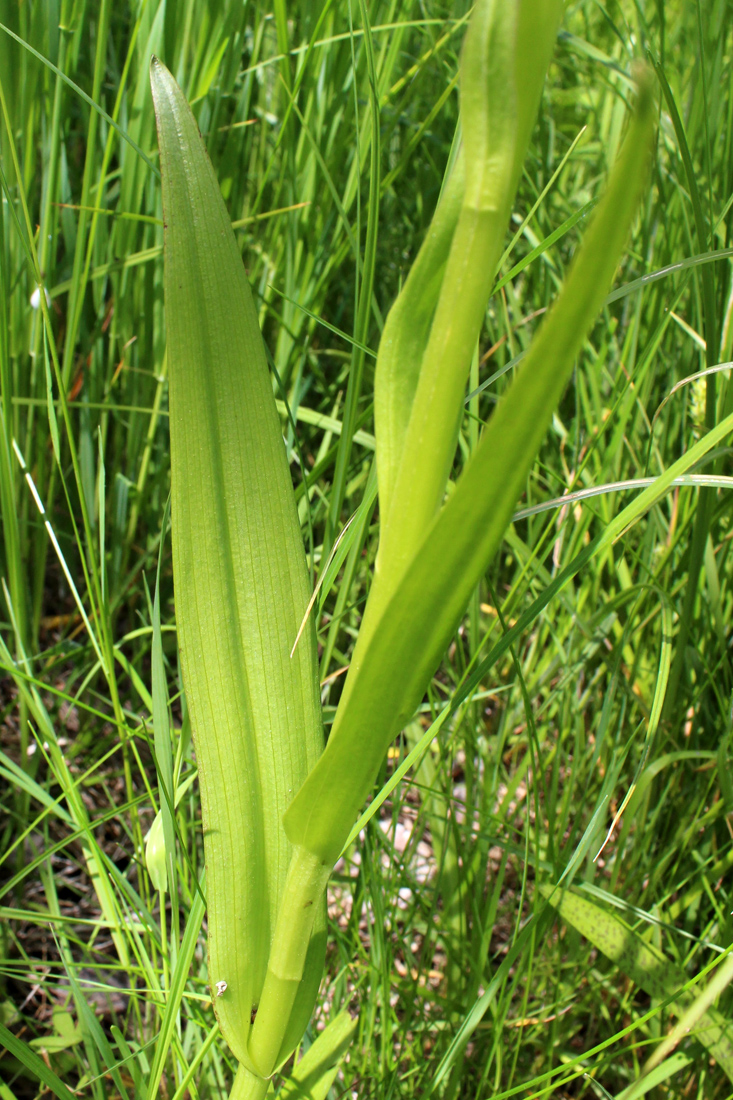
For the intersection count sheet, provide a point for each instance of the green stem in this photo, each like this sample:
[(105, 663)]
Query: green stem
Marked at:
[(248, 1086), (304, 887)]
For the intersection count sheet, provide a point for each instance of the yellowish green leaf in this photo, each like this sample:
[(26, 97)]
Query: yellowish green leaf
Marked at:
[(240, 578)]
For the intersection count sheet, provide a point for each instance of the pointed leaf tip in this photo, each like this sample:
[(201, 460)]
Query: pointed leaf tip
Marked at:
[(240, 577)]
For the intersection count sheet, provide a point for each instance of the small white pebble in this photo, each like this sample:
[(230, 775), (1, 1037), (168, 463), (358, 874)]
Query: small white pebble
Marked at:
[(220, 988)]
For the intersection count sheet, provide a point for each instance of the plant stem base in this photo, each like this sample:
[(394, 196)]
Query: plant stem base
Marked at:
[(248, 1086)]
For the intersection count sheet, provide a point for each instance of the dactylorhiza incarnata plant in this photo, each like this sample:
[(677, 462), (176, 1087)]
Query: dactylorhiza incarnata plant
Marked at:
[(277, 806)]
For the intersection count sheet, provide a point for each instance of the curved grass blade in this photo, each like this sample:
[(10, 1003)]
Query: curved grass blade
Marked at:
[(241, 583), (82, 95), (34, 1063)]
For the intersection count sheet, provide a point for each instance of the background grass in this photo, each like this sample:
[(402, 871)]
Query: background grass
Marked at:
[(438, 930)]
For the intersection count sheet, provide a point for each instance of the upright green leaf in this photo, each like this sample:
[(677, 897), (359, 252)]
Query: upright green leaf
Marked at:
[(393, 662), (504, 60), (241, 584), (406, 333)]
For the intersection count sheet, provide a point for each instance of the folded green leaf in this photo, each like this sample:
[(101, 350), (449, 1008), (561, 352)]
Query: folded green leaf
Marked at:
[(241, 583), (313, 1075), (405, 336), (393, 661), (500, 90)]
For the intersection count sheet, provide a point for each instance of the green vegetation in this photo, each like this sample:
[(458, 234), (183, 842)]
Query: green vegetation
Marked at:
[(576, 732)]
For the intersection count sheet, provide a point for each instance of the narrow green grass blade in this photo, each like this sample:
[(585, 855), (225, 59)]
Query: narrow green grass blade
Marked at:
[(32, 1062), (129, 1059), (393, 662), (175, 993), (82, 94), (703, 515), (78, 813), (241, 583), (90, 1024), (13, 774), (668, 1068), (364, 298), (647, 966), (163, 752)]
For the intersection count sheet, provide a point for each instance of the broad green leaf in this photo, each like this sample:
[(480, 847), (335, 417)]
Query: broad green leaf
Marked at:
[(67, 1033), (667, 1069), (395, 658), (505, 56), (697, 1015), (240, 577), (647, 966)]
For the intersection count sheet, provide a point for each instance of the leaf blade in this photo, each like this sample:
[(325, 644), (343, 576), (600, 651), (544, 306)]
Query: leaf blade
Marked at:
[(395, 658), (241, 584), (34, 1064)]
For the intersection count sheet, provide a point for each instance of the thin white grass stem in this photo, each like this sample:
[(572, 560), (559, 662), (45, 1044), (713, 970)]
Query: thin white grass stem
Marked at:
[(715, 481), (62, 560)]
